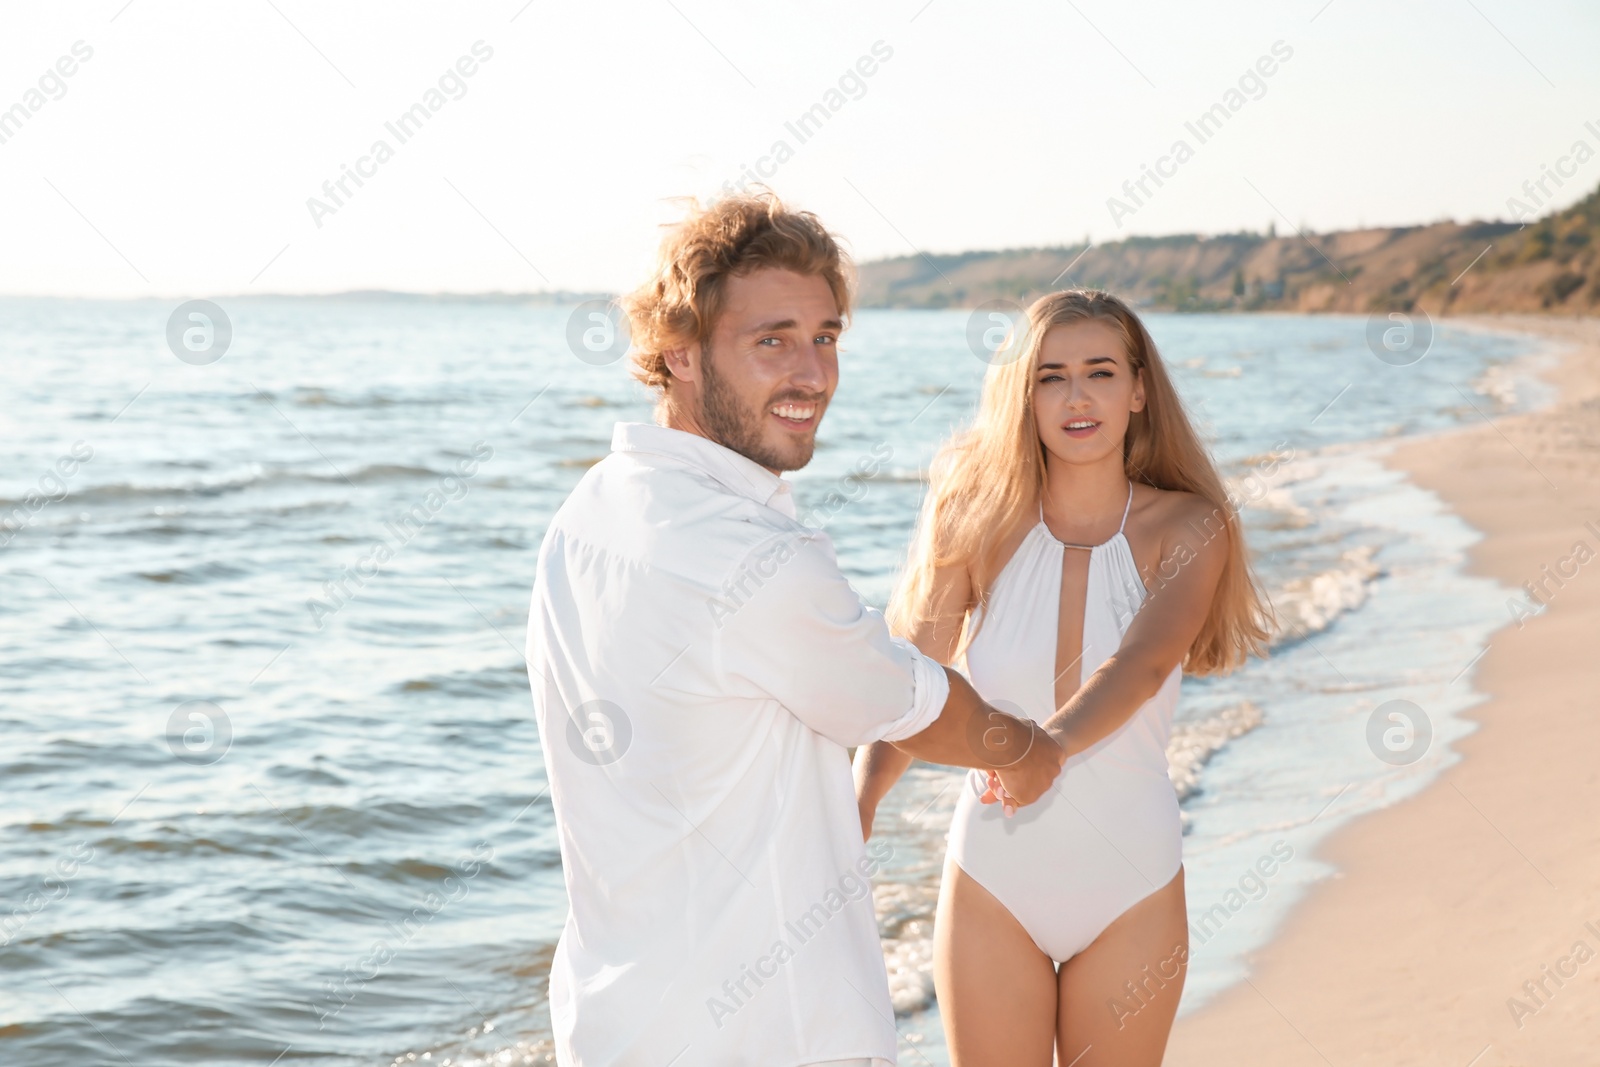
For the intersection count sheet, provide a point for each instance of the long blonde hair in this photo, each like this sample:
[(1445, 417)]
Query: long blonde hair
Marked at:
[(985, 485)]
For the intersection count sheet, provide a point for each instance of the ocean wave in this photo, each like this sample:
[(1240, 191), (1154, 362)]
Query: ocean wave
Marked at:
[(311, 396), (1282, 501), (367, 823), (117, 491), (907, 475), (1291, 471), (487, 683), (253, 478), (383, 472), (1194, 743), (1253, 488), (161, 531), (1499, 384), (214, 570), (1310, 605), (309, 776), (1198, 364), (175, 845)]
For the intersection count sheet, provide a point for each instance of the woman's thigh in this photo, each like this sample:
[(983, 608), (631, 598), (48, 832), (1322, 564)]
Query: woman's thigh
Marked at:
[(997, 991), (1118, 997)]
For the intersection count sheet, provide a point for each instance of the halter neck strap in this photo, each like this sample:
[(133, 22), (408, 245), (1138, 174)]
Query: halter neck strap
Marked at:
[(1066, 544)]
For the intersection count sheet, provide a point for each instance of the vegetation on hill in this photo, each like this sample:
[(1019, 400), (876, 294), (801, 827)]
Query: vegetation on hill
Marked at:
[(1550, 265)]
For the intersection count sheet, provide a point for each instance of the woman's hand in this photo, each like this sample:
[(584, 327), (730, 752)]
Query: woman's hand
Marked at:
[(997, 793)]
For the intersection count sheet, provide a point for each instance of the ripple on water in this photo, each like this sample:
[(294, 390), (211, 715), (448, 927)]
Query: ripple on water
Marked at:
[(489, 682), (199, 574)]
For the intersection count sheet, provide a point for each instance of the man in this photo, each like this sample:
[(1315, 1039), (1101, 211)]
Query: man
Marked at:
[(700, 668)]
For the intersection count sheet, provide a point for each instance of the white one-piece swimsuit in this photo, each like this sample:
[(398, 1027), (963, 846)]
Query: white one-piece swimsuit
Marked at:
[(1107, 833)]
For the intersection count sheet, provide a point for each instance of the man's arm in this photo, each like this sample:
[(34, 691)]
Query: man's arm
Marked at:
[(970, 732), (806, 639)]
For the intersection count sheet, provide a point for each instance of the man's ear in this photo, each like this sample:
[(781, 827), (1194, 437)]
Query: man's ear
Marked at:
[(683, 363)]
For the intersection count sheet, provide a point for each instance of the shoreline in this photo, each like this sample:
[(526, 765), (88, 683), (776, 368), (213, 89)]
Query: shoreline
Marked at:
[(1449, 932)]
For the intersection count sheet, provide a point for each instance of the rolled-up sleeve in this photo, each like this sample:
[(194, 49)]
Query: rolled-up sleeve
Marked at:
[(805, 638)]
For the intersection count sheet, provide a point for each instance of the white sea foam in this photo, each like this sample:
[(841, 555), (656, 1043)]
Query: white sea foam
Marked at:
[(1498, 383), (1258, 489), (1310, 605), (1194, 743), (905, 922), (1296, 470), (1282, 501)]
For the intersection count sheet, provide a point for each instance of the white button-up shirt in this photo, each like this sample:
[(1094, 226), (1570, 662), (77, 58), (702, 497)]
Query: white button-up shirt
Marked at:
[(699, 666)]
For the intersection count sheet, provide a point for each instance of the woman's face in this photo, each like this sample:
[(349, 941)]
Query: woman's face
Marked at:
[(1084, 392)]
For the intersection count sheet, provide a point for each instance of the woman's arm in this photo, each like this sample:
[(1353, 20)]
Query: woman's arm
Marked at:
[(1160, 635), (878, 766)]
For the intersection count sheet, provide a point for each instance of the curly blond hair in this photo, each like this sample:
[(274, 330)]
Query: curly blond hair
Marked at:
[(730, 236)]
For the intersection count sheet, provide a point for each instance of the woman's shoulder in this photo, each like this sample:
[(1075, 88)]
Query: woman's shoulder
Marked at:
[(1177, 513)]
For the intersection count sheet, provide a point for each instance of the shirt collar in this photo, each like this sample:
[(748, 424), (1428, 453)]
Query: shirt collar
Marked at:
[(739, 474)]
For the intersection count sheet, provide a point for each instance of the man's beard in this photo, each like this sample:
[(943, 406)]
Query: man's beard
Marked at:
[(738, 428)]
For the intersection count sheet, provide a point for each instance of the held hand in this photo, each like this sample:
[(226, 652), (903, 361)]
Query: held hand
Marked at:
[(996, 793), (1027, 778)]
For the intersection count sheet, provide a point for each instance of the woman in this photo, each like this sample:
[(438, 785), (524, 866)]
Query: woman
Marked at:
[(1075, 555)]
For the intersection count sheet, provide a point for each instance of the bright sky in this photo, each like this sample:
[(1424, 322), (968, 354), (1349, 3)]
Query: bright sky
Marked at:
[(178, 158)]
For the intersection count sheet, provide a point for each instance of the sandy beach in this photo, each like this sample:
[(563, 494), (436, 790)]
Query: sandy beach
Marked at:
[(1463, 927)]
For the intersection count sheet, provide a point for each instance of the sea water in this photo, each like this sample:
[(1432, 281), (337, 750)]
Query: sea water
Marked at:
[(272, 786)]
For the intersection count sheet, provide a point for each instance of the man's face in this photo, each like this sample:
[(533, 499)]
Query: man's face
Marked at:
[(771, 367)]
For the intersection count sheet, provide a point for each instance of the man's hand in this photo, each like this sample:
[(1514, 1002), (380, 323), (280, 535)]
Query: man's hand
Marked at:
[(1025, 778)]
